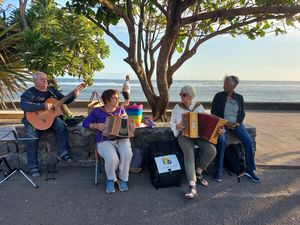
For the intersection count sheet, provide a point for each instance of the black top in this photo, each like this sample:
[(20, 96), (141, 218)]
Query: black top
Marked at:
[(219, 101)]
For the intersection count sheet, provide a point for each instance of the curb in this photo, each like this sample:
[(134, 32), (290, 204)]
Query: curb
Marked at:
[(284, 167)]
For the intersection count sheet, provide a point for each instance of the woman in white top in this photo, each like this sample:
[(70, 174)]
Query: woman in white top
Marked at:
[(207, 151)]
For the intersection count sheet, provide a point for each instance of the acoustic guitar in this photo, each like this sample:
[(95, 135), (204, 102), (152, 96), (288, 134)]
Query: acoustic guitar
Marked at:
[(43, 119)]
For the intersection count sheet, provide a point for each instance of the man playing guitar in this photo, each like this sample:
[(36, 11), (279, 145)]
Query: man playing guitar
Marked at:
[(33, 101)]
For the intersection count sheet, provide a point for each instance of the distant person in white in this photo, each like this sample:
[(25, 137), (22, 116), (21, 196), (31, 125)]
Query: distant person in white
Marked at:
[(126, 91)]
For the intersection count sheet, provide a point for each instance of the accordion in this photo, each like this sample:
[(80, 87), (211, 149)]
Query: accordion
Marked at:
[(202, 125), (117, 127)]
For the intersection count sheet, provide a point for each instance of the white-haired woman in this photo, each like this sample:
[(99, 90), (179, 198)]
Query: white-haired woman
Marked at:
[(230, 105), (207, 151)]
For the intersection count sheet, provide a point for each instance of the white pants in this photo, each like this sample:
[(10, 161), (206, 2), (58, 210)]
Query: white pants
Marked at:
[(109, 151)]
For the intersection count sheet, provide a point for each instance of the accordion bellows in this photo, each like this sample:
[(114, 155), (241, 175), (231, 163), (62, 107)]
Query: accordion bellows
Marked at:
[(135, 113), (202, 125), (117, 127)]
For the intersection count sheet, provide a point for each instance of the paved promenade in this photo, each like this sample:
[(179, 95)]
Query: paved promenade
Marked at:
[(277, 137), (74, 199)]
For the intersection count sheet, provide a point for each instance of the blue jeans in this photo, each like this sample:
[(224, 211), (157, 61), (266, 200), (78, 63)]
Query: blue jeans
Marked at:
[(242, 134), (32, 145)]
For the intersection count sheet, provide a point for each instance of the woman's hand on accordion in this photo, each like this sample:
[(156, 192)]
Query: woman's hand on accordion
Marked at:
[(221, 131), (98, 126), (180, 126)]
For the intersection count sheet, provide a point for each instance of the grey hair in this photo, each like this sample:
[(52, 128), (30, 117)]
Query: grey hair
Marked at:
[(35, 75), (233, 79), (189, 90)]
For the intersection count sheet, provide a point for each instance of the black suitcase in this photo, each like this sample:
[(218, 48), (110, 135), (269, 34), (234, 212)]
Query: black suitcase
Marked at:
[(165, 152)]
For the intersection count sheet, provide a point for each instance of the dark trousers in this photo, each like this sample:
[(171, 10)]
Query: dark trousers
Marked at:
[(242, 134), (32, 146)]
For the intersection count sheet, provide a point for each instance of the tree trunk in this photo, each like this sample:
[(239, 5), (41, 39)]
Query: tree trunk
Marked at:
[(159, 109), (22, 11)]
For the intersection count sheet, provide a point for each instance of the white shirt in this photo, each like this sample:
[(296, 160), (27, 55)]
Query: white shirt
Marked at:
[(126, 87), (176, 116)]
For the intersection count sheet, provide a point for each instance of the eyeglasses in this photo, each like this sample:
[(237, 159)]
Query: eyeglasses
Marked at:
[(183, 95)]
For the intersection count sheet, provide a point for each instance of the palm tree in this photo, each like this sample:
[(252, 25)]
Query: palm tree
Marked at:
[(13, 73)]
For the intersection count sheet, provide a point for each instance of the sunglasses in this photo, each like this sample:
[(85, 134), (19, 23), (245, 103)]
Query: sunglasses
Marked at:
[(115, 98), (183, 95)]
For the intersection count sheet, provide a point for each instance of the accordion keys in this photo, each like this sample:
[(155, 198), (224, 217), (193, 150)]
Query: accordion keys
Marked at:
[(202, 125)]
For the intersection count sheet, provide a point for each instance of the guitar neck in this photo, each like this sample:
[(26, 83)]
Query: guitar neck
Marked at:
[(64, 99)]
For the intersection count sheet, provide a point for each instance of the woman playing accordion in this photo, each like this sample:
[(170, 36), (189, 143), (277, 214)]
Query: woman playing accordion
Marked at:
[(207, 150), (115, 151)]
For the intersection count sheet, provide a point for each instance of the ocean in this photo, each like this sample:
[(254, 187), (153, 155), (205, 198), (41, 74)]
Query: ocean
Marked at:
[(253, 91)]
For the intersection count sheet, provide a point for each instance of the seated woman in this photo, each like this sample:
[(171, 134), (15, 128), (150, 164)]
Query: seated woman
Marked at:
[(207, 150), (230, 106), (111, 149)]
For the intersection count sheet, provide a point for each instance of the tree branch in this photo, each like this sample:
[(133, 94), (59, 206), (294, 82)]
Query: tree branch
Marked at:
[(129, 21), (140, 33), (228, 14), (189, 54), (160, 7), (111, 35)]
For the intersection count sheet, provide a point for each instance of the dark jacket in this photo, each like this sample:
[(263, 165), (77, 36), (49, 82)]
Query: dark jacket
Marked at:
[(34, 100), (219, 101)]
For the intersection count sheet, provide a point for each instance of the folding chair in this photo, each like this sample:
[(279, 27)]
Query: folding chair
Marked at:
[(97, 164)]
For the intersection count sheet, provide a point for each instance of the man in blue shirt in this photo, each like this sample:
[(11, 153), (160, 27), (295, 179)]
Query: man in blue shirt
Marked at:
[(32, 100)]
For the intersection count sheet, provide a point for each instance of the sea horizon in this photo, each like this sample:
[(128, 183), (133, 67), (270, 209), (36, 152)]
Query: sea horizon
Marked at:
[(253, 91)]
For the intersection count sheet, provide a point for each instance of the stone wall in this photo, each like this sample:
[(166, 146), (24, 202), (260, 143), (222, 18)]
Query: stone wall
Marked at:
[(82, 142)]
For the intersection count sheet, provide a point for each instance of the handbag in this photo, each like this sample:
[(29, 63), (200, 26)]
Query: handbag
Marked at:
[(72, 122), (95, 101)]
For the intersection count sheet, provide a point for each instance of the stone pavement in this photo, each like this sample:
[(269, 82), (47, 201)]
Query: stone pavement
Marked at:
[(277, 137), (73, 199)]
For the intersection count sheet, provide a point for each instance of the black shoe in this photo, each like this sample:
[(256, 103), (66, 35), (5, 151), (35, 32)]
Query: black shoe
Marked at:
[(252, 176)]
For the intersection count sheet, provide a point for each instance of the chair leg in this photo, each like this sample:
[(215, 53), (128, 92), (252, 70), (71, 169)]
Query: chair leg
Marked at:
[(97, 167), (96, 172)]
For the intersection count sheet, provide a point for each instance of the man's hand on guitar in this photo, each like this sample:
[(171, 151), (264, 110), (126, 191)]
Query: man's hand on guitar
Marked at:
[(48, 106), (76, 92), (78, 89)]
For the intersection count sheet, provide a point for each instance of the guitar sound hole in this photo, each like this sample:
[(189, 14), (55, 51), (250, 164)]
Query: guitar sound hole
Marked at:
[(44, 120)]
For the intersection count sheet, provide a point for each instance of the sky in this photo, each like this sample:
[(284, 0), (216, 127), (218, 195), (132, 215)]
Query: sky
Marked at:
[(269, 58)]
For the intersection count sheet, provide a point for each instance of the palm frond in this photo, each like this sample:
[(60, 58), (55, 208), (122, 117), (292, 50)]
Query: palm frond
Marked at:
[(13, 73)]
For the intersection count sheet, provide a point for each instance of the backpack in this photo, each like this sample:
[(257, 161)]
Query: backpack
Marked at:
[(234, 160), (72, 122), (165, 162), (137, 161)]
